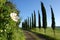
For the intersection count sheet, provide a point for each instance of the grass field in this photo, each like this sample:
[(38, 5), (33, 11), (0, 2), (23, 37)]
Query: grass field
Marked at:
[(49, 32)]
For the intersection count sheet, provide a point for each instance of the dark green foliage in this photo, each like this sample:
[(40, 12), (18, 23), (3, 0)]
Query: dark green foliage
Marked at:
[(39, 20), (30, 23), (44, 16), (53, 19), (23, 25), (34, 20), (10, 5), (26, 23)]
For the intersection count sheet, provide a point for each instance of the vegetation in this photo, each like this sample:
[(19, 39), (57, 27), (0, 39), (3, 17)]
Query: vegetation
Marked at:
[(39, 20), (53, 21), (30, 23), (34, 20), (49, 32), (44, 17), (9, 25)]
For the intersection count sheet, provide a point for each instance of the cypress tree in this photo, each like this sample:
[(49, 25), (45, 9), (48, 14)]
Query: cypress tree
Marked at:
[(25, 23), (53, 21), (30, 23), (23, 26), (44, 17), (39, 20), (34, 20)]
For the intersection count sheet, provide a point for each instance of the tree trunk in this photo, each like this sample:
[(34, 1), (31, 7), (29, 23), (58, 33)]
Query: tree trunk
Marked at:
[(54, 32)]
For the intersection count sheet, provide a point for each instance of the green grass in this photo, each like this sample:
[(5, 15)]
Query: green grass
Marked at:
[(49, 32), (18, 35)]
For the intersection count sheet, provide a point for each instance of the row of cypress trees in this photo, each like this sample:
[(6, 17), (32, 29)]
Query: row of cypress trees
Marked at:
[(32, 22)]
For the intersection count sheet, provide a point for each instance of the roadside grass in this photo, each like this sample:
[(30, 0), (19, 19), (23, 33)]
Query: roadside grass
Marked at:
[(18, 35), (49, 32)]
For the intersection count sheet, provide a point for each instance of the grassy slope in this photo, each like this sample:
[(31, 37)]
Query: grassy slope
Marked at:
[(49, 32)]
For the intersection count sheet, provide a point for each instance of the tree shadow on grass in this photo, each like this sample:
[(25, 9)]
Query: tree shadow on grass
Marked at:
[(44, 37)]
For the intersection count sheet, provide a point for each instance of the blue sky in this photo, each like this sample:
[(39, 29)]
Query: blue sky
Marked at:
[(26, 8)]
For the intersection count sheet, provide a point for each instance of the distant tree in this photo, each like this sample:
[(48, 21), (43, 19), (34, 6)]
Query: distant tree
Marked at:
[(39, 20), (25, 23), (34, 20), (53, 21), (23, 26), (30, 23), (44, 17)]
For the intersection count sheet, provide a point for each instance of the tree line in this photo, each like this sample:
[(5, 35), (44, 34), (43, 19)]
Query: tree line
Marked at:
[(32, 23)]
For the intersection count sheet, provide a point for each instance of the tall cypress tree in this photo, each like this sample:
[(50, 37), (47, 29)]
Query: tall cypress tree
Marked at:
[(39, 19), (30, 23), (34, 20), (22, 25), (53, 21), (44, 17), (25, 24)]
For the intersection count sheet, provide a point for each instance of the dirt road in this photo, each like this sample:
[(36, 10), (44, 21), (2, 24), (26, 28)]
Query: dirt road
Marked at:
[(30, 36)]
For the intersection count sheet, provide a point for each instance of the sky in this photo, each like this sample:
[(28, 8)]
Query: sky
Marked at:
[(27, 7)]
